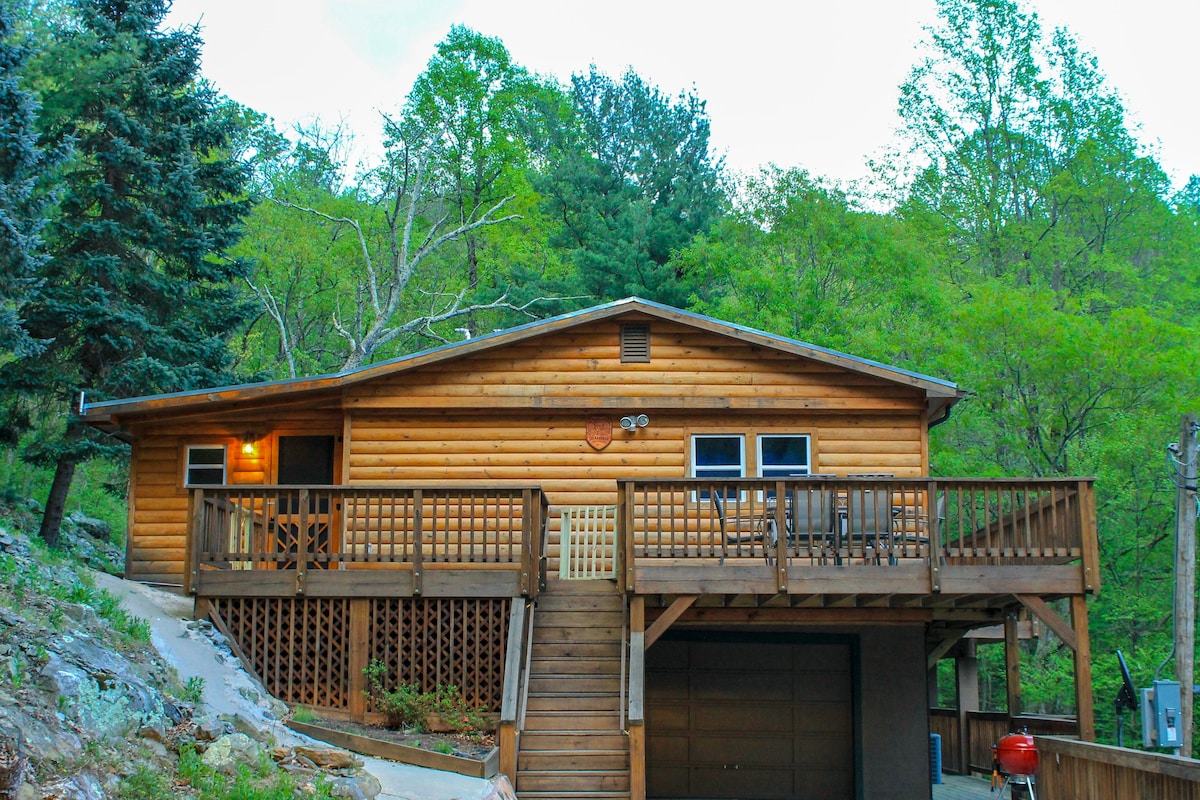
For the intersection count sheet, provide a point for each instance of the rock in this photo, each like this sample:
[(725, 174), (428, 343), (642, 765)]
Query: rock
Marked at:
[(154, 731), (80, 613), (243, 724), (210, 730), (96, 528), (80, 787), (229, 752), (499, 788), (360, 786), (172, 712), (62, 678), (329, 757)]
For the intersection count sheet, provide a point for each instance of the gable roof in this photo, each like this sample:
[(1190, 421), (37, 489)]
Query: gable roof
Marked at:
[(940, 394)]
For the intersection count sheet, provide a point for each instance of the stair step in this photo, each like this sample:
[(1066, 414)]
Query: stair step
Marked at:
[(552, 634), (556, 586), (578, 701), (568, 666), (544, 760), (573, 684), (551, 603), (577, 650), (578, 619), (573, 740), (581, 780), (573, 721)]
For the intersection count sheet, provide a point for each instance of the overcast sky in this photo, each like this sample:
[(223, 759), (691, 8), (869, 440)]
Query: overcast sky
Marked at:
[(797, 83)]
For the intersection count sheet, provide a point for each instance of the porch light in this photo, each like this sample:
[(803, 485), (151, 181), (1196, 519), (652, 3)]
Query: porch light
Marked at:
[(249, 443), (634, 421)]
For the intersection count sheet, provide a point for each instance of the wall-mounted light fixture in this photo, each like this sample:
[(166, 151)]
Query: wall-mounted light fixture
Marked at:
[(249, 443), (634, 421)]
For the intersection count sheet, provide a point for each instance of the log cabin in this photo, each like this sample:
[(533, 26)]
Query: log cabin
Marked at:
[(678, 557)]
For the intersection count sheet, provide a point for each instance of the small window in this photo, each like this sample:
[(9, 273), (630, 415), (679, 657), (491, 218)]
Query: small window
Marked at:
[(205, 465), (782, 456), (718, 456), (635, 344)]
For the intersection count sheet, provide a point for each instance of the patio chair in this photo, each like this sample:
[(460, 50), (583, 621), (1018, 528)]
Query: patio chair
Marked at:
[(737, 529), (810, 521), (869, 523)]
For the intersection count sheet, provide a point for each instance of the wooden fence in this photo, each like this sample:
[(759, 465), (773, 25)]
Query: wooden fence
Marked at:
[(984, 729), (1074, 770)]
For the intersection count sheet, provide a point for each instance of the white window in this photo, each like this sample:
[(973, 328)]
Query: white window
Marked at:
[(205, 465), (783, 455), (718, 456)]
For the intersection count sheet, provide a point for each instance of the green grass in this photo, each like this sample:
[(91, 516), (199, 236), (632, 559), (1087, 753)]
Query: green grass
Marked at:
[(261, 781)]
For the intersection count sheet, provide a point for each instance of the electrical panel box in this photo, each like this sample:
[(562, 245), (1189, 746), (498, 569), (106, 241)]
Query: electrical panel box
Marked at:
[(1160, 715)]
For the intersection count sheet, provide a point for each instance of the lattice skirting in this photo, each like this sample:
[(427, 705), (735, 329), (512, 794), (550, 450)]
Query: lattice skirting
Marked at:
[(300, 647)]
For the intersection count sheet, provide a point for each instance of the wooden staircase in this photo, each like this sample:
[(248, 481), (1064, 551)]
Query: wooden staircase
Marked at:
[(572, 745)]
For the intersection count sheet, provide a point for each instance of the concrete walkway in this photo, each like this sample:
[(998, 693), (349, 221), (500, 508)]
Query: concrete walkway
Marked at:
[(228, 690)]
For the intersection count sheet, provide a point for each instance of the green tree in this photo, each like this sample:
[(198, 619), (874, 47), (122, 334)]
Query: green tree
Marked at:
[(636, 182), (137, 296), (480, 120), (22, 210), (797, 258)]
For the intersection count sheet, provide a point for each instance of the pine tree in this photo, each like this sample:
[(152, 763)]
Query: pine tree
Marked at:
[(21, 208), (137, 296)]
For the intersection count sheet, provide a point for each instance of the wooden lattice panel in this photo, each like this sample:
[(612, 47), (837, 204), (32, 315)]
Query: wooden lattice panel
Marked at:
[(299, 647), (443, 642)]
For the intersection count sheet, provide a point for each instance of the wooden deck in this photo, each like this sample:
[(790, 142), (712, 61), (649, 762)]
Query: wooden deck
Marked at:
[(842, 542), (965, 787)]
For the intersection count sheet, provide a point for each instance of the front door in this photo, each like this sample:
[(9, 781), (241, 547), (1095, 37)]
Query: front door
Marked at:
[(749, 717), (305, 461)]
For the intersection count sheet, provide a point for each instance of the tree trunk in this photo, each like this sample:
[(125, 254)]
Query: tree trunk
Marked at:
[(57, 501)]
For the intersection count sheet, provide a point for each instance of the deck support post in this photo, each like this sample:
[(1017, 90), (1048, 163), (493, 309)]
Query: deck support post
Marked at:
[(966, 691), (302, 546), (360, 626), (192, 569), (637, 691), (418, 536), (1083, 669), (527, 543), (1012, 666)]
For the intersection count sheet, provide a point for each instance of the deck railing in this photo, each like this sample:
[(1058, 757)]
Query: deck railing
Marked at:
[(845, 522), (308, 528), (984, 729)]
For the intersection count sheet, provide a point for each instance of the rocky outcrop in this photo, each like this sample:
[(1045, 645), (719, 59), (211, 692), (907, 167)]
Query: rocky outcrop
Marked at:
[(86, 700)]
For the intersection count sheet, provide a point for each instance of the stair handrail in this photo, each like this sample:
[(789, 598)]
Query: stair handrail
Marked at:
[(624, 644), (526, 669), (511, 710)]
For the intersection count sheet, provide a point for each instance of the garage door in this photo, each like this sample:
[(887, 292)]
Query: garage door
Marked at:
[(749, 718)]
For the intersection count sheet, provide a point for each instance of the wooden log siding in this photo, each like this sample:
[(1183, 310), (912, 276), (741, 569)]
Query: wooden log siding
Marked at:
[(689, 368), (292, 530), (551, 450)]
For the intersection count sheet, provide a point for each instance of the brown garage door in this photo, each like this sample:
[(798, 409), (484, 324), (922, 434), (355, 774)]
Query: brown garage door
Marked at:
[(749, 718)]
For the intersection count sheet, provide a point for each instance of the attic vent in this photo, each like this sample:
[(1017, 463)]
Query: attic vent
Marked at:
[(635, 344)]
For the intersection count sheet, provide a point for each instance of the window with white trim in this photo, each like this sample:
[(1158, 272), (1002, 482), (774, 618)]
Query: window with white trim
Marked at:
[(718, 456), (205, 465), (783, 455)]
